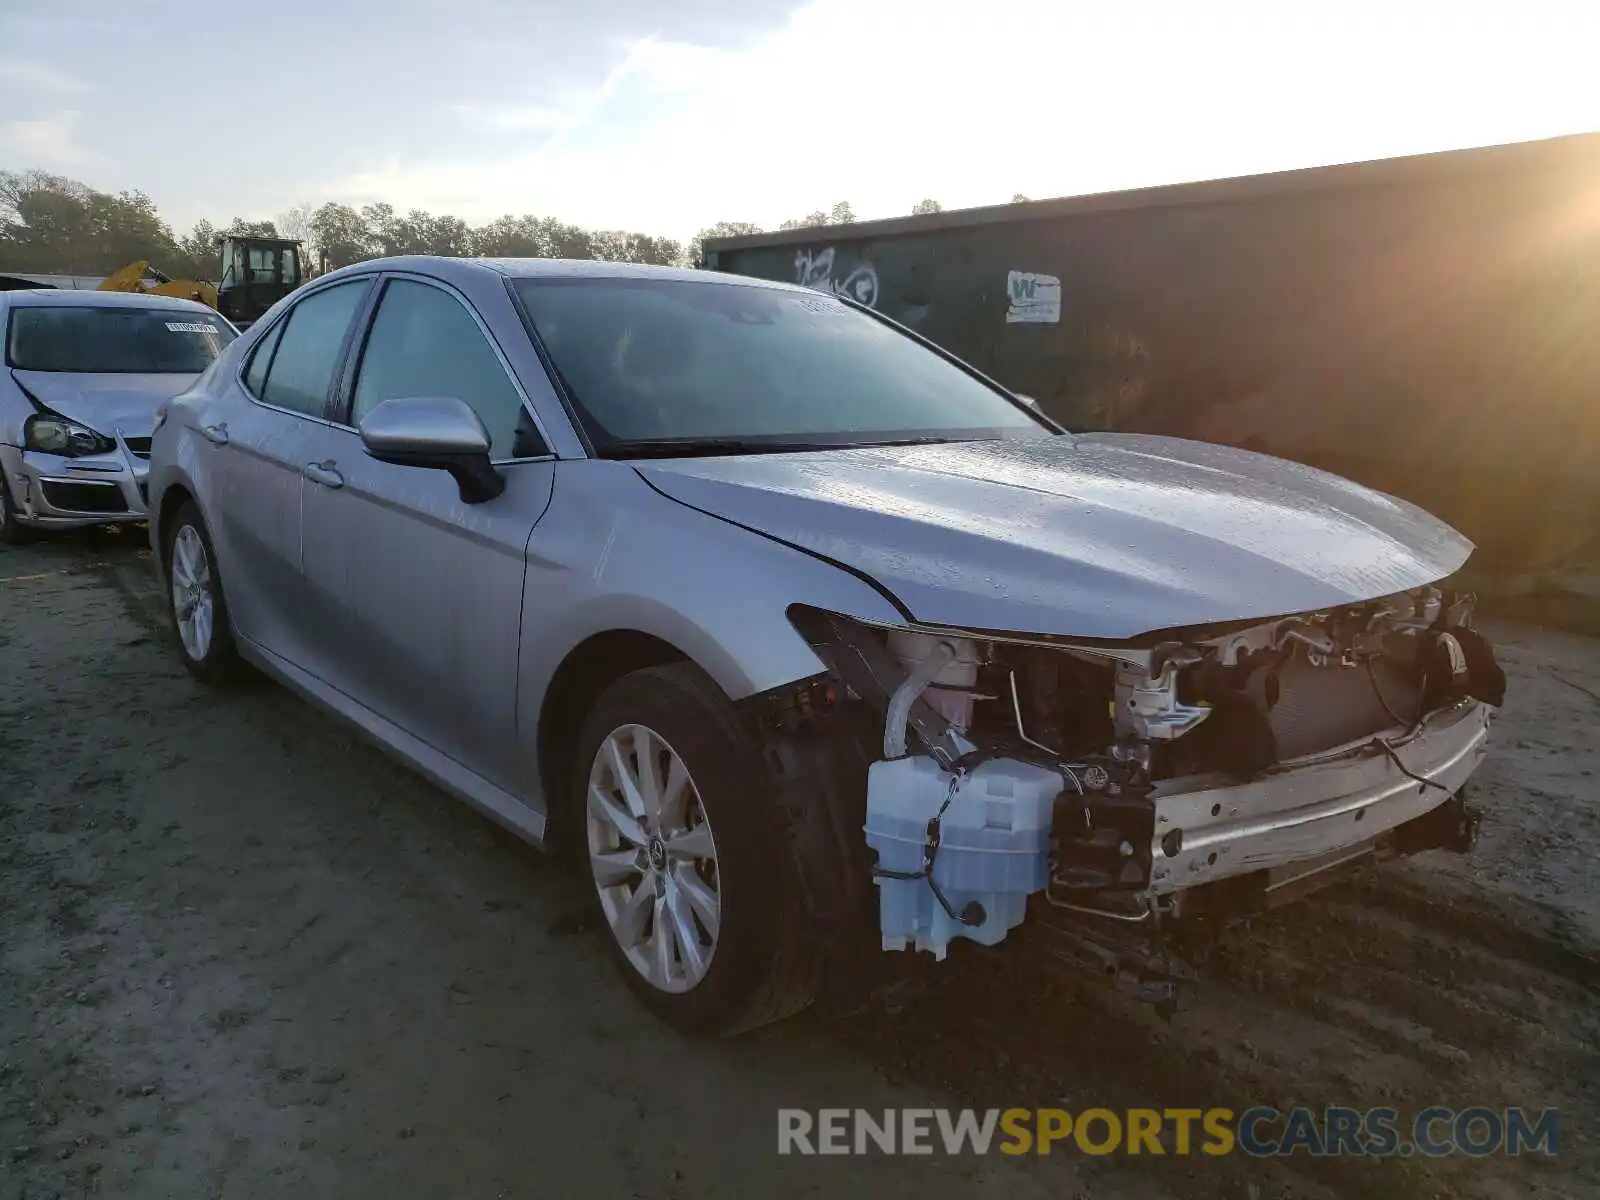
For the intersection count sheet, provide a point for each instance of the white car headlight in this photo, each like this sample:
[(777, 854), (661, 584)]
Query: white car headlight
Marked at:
[(57, 435)]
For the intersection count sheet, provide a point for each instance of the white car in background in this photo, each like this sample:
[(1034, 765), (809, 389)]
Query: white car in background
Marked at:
[(84, 375)]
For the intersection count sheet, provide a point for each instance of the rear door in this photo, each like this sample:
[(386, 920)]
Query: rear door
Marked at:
[(418, 593), (262, 430)]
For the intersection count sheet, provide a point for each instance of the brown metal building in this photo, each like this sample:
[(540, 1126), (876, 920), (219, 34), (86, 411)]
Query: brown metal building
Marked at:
[(1428, 325)]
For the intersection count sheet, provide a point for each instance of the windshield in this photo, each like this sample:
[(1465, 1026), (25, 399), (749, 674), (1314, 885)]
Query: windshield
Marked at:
[(646, 360), (142, 341)]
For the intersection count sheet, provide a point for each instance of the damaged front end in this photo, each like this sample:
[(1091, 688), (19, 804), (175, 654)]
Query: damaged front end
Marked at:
[(959, 784)]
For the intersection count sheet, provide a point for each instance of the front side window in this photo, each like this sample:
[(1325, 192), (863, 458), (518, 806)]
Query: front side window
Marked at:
[(124, 341), (232, 265), (424, 343), (291, 266), (648, 361), (263, 264), (309, 348)]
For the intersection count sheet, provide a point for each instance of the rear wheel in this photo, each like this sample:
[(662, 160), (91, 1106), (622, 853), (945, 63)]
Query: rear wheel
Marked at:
[(195, 600), (690, 871)]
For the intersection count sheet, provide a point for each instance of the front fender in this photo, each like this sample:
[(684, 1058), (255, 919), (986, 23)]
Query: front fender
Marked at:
[(174, 462), (613, 554)]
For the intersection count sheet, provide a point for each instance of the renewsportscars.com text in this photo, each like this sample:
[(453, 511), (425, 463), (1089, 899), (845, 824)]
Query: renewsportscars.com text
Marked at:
[(1258, 1132)]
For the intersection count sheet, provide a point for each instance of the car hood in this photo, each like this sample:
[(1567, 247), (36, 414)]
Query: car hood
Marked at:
[(1094, 536), (106, 403)]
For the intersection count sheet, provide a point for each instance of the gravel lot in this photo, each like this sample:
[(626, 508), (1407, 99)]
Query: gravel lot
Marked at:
[(246, 955)]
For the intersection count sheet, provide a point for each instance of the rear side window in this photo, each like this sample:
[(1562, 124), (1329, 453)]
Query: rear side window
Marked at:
[(256, 377), (308, 349)]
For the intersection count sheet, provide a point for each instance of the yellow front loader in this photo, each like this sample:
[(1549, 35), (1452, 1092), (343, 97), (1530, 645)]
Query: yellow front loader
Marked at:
[(142, 277), (256, 273)]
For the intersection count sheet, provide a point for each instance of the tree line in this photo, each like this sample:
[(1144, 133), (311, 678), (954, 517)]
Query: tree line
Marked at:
[(52, 224)]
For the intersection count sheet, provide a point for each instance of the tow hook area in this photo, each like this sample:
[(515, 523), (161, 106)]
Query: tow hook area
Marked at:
[(1451, 826)]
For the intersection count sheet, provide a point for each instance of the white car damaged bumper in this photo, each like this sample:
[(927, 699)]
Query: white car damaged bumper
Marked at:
[(61, 492)]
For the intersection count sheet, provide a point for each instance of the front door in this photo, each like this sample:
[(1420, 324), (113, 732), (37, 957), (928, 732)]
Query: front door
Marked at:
[(419, 595)]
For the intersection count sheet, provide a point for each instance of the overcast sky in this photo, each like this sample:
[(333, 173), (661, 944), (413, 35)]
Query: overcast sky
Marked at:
[(667, 115)]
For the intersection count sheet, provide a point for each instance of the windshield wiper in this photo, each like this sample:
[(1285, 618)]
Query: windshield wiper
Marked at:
[(706, 447)]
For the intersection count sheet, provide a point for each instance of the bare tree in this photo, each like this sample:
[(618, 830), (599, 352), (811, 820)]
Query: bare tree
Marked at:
[(295, 222)]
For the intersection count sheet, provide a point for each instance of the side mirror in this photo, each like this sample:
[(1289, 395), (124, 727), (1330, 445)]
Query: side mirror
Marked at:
[(438, 432)]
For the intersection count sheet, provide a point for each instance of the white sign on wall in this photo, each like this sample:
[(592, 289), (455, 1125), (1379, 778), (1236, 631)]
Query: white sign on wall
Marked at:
[(1035, 299)]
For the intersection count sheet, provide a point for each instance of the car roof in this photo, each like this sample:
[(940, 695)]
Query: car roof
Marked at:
[(551, 268), (51, 297)]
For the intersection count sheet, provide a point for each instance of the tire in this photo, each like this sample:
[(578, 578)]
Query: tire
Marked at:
[(12, 531), (191, 575), (761, 964)]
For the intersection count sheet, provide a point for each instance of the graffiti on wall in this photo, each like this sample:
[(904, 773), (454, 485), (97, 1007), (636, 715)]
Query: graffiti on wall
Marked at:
[(815, 269), (1034, 299)]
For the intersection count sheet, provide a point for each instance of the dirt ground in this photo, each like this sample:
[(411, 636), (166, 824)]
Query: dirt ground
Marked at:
[(246, 955)]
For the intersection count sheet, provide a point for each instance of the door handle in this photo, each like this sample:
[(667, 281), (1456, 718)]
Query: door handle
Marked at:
[(216, 434), (324, 473)]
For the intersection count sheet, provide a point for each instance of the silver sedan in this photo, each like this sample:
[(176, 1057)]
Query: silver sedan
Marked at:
[(814, 644)]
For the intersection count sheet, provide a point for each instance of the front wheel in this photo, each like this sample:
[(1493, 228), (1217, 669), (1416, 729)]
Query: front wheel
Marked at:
[(198, 609), (691, 872)]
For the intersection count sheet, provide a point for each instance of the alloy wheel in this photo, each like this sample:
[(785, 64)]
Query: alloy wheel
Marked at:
[(653, 858), (192, 602)]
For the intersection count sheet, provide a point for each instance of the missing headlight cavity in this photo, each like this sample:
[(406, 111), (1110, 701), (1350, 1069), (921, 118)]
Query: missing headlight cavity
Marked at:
[(991, 773)]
